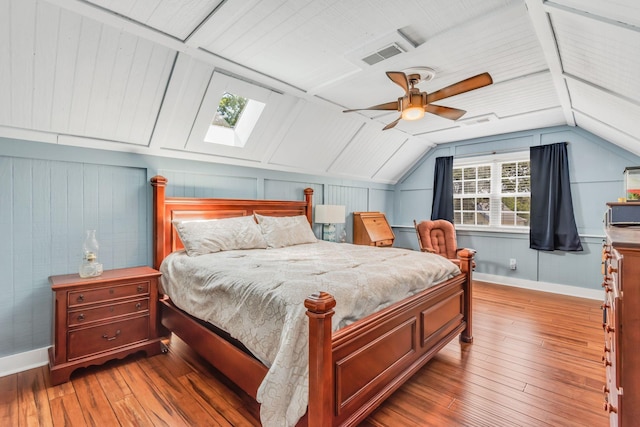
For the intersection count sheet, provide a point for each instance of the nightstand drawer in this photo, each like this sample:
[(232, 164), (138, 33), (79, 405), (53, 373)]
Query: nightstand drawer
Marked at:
[(91, 296), (99, 338), (94, 314), (383, 243)]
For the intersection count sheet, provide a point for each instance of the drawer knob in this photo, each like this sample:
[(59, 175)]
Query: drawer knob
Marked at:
[(610, 408), (81, 317), (605, 389), (140, 288), (611, 269), (138, 305), (80, 298), (606, 361), (108, 338)]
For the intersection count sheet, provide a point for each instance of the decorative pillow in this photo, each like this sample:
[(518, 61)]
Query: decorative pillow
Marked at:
[(281, 231), (201, 237)]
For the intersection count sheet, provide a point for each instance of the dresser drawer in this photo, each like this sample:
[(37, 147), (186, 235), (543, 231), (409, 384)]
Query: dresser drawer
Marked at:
[(88, 315), (383, 243), (91, 296), (87, 341)]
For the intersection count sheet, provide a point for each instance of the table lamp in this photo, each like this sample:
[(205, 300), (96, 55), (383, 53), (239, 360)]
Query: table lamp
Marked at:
[(329, 216)]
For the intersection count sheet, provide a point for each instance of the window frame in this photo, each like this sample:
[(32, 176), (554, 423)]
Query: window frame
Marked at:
[(239, 138), (495, 195)]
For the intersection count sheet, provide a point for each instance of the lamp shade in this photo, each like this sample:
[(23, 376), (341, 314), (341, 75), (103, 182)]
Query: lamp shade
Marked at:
[(330, 214)]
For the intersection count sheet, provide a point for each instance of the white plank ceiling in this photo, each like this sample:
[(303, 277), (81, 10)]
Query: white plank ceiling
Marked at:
[(145, 75)]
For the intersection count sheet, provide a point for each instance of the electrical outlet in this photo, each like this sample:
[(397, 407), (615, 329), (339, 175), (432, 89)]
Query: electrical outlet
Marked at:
[(512, 264)]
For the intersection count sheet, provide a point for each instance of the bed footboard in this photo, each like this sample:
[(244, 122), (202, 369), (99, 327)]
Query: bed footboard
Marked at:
[(353, 370)]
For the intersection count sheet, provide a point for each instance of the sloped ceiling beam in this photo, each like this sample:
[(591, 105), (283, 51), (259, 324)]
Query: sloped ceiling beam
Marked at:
[(544, 31)]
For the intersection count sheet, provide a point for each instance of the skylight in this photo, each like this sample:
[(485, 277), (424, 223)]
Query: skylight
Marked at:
[(234, 120)]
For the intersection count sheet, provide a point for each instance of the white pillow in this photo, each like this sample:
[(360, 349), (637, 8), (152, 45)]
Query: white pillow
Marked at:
[(281, 231), (201, 237)]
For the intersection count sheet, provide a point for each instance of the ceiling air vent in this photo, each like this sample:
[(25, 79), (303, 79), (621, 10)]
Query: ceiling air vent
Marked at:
[(385, 53)]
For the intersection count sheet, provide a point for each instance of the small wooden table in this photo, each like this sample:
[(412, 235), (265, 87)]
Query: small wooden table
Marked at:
[(101, 318)]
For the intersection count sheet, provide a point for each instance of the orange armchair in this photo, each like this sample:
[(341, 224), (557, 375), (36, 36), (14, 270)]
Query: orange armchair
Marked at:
[(438, 237)]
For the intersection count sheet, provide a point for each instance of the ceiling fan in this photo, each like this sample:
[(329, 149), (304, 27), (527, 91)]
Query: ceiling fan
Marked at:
[(414, 103)]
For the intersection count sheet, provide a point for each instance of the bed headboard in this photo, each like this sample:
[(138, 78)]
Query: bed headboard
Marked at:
[(167, 209)]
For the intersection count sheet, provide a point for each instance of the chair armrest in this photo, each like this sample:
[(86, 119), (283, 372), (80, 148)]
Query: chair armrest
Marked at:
[(473, 251), (468, 249)]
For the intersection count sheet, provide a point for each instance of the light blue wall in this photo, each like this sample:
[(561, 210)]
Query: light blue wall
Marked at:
[(596, 173), (50, 194)]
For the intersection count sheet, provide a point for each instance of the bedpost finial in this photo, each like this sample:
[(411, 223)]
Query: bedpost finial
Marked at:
[(320, 302), (308, 191), (159, 180)]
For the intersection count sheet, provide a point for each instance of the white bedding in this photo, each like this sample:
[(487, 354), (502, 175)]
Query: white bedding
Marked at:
[(258, 295)]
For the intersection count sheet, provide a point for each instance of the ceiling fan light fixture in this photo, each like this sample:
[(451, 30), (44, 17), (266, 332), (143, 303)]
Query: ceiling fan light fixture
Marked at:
[(413, 113)]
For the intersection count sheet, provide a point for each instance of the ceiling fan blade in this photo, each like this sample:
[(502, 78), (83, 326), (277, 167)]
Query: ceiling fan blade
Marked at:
[(463, 86), (399, 78), (392, 124), (392, 105), (446, 112)]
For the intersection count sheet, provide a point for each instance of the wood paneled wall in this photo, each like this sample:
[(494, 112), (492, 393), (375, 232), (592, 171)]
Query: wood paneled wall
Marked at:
[(45, 206)]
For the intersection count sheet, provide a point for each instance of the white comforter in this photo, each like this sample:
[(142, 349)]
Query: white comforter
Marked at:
[(258, 297)]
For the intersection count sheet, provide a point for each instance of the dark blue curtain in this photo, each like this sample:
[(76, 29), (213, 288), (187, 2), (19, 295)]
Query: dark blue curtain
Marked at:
[(442, 206), (553, 226)]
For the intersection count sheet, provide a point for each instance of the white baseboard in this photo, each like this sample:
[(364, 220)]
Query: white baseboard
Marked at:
[(24, 361), (554, 288)]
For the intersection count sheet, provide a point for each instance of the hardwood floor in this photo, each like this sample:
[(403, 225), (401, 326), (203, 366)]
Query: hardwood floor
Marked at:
[(535, 361)]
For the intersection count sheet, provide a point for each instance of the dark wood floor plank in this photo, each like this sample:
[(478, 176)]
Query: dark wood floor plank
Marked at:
[(60, 390), (33, 403), (176, 394), (9, 400), (113, 384), (156, 406), (95, 405), (66, 411), (215, 403), (130, 412)]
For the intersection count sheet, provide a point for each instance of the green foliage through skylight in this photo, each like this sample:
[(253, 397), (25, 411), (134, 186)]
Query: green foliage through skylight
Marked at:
[(229, 110)]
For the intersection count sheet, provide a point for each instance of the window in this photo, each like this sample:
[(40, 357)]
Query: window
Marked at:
[(233, 120), (492, 192)]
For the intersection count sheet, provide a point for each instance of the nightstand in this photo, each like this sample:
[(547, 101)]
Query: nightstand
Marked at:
[(101, 318)]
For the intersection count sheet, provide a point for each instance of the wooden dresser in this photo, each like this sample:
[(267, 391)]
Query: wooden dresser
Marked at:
[(372, 228), (102, 318), (621, 324)]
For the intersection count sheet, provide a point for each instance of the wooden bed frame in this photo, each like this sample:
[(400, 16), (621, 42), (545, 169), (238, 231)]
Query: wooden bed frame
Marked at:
[(352, 370)]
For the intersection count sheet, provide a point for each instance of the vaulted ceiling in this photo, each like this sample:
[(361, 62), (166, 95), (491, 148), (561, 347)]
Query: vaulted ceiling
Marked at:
[(146, 75)]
